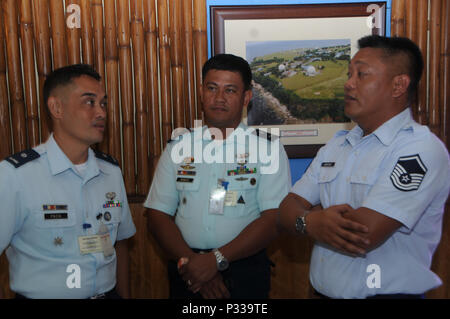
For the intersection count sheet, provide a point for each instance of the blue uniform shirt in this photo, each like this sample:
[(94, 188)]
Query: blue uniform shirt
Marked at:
[(184, 188), (45, 203), (402, 171)]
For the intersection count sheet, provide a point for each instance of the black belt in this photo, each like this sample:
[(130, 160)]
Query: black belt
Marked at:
[(112, 294), (381, 296)]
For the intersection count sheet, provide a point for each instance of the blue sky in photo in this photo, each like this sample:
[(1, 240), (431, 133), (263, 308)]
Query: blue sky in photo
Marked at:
[(260, 48)]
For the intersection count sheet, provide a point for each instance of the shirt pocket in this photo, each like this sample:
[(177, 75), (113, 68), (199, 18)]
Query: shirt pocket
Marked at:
[(245, 186), (55, 232), (361, 182), (188, 196), (328, 180)]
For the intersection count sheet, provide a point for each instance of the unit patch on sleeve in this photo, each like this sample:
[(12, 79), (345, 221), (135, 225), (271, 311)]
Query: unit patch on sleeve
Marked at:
[(408, 173)]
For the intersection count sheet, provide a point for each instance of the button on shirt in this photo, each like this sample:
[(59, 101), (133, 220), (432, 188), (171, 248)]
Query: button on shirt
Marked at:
[(185, 188), (45, 203), (364, 172)]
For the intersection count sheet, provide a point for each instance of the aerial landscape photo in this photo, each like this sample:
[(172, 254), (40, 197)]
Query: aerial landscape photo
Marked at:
[(298, 82)]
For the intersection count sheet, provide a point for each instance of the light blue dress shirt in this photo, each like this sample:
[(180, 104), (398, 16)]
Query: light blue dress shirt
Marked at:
[(45, 203), (174, 191), (364, 172)]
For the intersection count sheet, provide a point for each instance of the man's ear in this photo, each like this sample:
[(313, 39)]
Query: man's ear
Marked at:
[(400, 85), (55, 107), (247, 97)]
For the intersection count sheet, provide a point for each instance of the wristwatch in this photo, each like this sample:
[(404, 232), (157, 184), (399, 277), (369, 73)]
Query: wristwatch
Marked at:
[(222, 262), (300, 224)]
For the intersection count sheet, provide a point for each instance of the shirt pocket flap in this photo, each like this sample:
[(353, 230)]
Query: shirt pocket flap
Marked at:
[(362, 178), (328, 174)]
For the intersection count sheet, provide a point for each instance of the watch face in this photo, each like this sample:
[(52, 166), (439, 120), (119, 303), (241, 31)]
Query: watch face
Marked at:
[(223, 265)]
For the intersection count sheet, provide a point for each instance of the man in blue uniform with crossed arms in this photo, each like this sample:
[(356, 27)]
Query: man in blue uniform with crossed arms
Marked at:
[(389, 174), (64, 214)]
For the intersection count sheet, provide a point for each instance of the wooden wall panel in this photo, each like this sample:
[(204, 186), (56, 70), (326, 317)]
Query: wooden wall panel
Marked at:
[(150, 54)]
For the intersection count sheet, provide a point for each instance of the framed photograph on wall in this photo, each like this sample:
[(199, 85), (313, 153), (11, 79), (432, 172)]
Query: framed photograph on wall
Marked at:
[(299, 55)]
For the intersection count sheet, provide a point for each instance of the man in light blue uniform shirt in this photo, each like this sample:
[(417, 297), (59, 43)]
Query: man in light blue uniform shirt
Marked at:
[(381, 187), (223, 183), (64, 205)]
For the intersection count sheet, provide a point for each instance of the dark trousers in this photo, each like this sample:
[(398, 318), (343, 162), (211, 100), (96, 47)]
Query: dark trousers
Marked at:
[(247, 278)]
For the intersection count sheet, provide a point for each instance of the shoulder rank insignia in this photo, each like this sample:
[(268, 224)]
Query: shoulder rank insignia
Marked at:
[(408, 173), (106, 157), (23, 157)]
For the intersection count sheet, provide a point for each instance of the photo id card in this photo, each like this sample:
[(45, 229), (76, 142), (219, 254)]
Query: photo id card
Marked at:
[(217, 201)]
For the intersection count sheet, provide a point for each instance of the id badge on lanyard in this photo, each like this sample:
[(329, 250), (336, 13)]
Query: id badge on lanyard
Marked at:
[(217, 198)]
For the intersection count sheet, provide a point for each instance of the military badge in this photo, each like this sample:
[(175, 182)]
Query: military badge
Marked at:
[(408, 173)]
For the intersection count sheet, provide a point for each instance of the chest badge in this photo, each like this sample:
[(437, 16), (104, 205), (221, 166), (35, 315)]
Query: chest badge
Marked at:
[(58, 241), (110, 200)]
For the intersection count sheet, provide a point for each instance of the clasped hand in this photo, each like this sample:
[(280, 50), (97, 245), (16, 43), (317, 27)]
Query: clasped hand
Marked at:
[(330, 226), (199, 271)]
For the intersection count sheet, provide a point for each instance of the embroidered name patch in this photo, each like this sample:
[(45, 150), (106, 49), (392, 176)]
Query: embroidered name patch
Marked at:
[(408, 173)]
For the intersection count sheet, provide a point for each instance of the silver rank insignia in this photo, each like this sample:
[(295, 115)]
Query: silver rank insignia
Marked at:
[(408, 173), (58, 241)]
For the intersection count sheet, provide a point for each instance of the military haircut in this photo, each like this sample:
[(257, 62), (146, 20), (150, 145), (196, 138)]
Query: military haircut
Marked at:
[(411, 60), (65, 75), (230, 62)]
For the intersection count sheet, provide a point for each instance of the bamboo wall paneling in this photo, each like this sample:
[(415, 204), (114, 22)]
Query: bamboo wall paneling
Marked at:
[(435, 64), (445, 78), (411, 32), (189, 66), (99, 54), (441, 260), (30, 91), (177, 67), (112, 82), (164, 70), (445, 70), (201, 47), (5, 126), (73, 34), (19, 130), (58, 30), (86, 32), (151, 45), (398, 26), (126, 93), (43, 57), (99, 48), (410, 21), (140, 96), (421, 110)]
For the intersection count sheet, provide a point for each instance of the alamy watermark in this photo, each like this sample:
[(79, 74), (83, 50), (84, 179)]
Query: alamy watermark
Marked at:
[(374, 279), (374, 20), (74, 279), (196, 145)]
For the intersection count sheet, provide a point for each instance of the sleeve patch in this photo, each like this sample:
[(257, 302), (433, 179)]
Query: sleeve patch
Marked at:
[(408, 173)]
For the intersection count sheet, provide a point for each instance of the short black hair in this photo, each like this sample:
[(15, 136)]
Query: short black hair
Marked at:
[(230, 62), (394, 46), (65, 75)]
